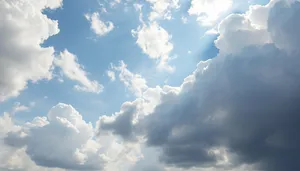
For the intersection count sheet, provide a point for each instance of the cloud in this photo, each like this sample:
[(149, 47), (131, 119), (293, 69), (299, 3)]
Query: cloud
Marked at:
[(60, 140), (114, 3), (128, 122), (70, 67), (23, 28), (12, 158), (111, 75), (162, 9), (134, 82), (19, 108), (209, 11), (237, 32), (155, 42), (149, 162), (184, 19), (125, 123), (283, 25), (237, 110), (121, 123), (99, 27)]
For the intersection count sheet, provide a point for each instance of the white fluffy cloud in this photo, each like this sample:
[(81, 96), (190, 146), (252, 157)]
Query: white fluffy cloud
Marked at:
[(70, 67), (162, 8), (237, 32), (23, 28), (208, 11), (60, 140), (155, 42), (99, 27)]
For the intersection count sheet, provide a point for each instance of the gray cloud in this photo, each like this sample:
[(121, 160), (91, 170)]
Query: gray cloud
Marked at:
[(242, 106), (121, 123), (284, 25)]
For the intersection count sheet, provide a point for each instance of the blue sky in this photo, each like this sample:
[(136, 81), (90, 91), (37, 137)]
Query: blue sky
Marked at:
[(101, 71), (96, 53)]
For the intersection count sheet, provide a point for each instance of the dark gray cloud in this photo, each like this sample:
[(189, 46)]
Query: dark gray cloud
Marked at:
[(245, 102), (240, 108), (122, 123)]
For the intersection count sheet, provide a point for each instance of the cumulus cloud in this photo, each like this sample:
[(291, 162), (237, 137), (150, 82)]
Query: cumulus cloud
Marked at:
[(60, 140), (162, 9), (238, 110), (155, 42), (209, 11), (99, 27), (14, 158), (284, 25), (128, 122), (125, 122), (23, 28), (121, 123), (70, 67), (237, 32)]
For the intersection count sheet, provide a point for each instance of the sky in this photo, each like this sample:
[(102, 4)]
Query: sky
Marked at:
[(149, 85)]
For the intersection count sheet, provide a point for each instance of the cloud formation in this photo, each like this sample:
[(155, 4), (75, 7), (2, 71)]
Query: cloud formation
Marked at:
[(60, 140), (241, 107), (99, 27), (23, 28), (70, 67), (111, 75), (134, 82), (155, 42), (162, 9), (238, 109), (209, 11)]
